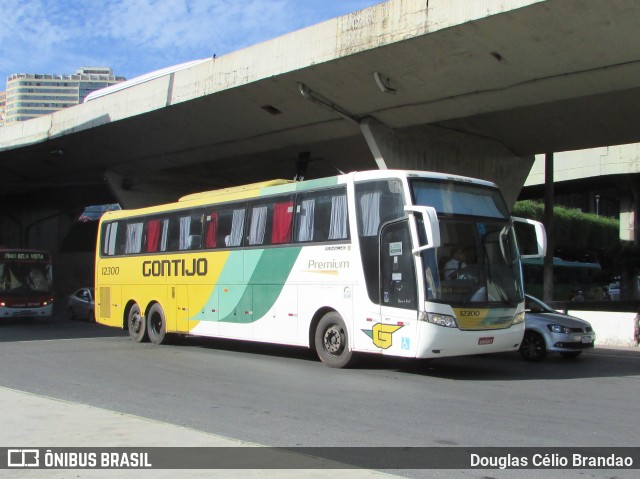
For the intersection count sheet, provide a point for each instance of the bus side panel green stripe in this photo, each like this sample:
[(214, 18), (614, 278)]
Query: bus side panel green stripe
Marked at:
[(268, 270), (273, 269)]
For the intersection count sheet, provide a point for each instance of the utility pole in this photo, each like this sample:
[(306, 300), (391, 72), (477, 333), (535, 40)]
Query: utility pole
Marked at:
[(547, 288)]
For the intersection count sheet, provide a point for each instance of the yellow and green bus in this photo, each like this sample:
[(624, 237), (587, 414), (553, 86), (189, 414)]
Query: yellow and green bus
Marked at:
[(344, 265)]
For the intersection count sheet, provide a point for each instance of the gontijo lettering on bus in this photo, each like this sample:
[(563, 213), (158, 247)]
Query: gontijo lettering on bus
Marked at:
[(175, 267)]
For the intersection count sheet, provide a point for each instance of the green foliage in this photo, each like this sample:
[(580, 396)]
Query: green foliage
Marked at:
[(574, 229)]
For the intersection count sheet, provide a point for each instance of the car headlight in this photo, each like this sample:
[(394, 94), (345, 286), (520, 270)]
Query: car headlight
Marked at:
[(556, 328), (518, 318), (442, 320)]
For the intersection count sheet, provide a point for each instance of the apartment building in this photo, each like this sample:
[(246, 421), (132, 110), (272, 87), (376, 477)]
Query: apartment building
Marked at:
[(31, 95)]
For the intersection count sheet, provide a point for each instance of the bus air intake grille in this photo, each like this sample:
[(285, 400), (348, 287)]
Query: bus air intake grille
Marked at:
[(105, 302)]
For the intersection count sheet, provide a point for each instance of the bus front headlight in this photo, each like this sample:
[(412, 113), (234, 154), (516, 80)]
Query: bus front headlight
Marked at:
[(442, 320), (518, 318)]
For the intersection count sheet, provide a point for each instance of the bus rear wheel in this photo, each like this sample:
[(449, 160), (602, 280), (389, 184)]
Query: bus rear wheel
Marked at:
[(136, 325), (332, 341), (157, 325)]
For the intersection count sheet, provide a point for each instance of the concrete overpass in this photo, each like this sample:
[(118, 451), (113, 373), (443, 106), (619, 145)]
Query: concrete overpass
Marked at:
[(475, 88)]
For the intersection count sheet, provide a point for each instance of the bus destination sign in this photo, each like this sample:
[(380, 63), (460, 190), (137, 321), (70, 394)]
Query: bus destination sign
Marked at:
[(22, 256)]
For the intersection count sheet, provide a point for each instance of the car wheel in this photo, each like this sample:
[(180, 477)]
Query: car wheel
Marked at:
[(533, 348), (332, 341), (571, 354), (157, 325), (137, 325), (91, 316), (72, 315)]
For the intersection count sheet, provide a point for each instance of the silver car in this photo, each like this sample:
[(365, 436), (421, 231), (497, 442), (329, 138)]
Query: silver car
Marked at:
[(80, 304), (549, 330)]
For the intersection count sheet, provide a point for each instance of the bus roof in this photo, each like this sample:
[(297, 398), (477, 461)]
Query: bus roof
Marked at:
[(234, 189)]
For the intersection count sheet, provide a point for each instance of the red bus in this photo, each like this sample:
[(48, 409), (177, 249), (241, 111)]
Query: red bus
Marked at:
[(26, 283)]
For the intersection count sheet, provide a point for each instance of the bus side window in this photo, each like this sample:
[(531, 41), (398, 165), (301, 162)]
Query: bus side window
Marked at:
[(322, 216), (109, 238), (190, 224), (230, 226), (282, 220), (133, 241), (260, 218), (211, 230), (270, 221), (156, 235)]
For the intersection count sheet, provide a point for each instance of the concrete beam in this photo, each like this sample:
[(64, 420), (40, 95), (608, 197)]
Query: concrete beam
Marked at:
[(436, 149)]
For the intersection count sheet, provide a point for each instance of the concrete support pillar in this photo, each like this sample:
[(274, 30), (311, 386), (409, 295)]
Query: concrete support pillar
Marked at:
[(377, 136), (446, 151), (547, 278), (628, 219)]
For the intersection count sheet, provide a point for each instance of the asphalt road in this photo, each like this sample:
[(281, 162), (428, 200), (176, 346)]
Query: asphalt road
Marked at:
[(281, 396)]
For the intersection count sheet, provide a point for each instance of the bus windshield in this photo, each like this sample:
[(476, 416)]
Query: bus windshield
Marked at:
[(24, 273), (478, 261), (454, 198)]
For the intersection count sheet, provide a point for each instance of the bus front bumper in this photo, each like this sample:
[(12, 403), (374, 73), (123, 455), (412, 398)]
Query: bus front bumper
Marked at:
[(439, 342), (35, 312)]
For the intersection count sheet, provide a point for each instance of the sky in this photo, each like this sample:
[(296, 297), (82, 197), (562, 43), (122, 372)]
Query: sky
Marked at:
[(134, 37)]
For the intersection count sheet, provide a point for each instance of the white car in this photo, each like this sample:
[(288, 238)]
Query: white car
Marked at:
[(80, 304), (549, 330)]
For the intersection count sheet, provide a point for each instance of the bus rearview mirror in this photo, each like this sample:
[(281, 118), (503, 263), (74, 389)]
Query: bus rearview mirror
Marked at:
[(430, 224), (531, 237)]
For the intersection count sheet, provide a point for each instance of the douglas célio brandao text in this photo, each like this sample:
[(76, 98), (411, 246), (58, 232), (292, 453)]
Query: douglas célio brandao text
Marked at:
[(550, 461)]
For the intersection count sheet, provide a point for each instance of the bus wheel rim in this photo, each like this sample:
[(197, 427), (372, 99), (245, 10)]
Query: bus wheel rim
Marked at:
[(333, 340), (136, 323)]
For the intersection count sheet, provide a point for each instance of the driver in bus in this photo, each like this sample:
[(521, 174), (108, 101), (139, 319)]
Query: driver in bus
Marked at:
[(37, 281), (454, 265)]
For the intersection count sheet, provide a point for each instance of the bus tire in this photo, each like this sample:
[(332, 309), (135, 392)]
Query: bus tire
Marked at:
[(332, 341), (136, 325), (157, 325)]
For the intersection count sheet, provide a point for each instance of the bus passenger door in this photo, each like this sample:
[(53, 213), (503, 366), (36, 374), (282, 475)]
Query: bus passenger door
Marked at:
[(179, 300), (397, 332)]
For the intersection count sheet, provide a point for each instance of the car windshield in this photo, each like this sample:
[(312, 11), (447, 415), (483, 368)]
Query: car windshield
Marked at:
[(534, 305)]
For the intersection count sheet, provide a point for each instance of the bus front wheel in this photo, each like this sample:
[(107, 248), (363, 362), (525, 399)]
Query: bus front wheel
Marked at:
[(157, 325), (136, 325), (332, 341)]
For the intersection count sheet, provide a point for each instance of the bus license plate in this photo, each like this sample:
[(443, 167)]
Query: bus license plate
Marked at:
[(482, 341)]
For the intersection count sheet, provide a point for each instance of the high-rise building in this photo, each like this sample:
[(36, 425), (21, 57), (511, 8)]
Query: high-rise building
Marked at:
[(31, 95), (3, 102)]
